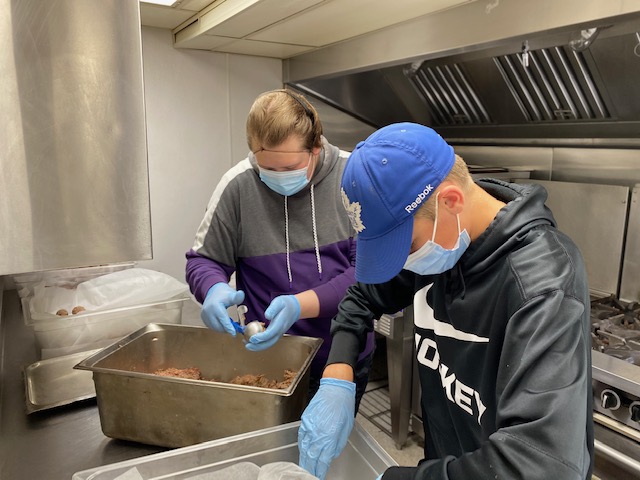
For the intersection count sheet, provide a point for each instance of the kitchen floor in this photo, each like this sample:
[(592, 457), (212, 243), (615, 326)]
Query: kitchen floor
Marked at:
[(411, 453), (374, 414)]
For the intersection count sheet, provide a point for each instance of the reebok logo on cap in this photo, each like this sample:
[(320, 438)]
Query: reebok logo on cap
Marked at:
[(421, 196)]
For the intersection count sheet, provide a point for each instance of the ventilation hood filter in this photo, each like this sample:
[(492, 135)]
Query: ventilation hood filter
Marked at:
[(545, 85), (448, 94), (558, 85)]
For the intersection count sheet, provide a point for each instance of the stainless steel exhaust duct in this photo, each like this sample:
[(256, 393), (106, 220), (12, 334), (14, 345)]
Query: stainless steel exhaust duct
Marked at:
[(74, 187)]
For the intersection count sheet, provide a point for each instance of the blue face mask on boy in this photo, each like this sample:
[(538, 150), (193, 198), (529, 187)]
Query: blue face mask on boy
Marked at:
[(432, 258), (285, 183)]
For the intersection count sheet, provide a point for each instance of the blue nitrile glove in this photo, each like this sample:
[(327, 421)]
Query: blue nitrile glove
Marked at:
[(281, 313), (326, 424), (214, 308), (379, 477)]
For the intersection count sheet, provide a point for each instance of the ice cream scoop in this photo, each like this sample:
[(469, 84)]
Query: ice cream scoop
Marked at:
[(251, 328)]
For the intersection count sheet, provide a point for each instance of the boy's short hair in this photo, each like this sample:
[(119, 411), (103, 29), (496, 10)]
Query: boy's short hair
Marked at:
[(278, 114), (459, 175)]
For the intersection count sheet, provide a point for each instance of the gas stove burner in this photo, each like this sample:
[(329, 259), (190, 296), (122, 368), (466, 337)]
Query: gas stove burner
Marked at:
[(631, 315), (615, 328), (608, 307)]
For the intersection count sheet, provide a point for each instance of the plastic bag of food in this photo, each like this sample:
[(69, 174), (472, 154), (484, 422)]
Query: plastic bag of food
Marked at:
[(238, 471), (284, 471), (134, 286)]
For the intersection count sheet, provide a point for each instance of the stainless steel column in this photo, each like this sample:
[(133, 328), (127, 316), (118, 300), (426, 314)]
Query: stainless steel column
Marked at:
[(74, 181), (398, 330)]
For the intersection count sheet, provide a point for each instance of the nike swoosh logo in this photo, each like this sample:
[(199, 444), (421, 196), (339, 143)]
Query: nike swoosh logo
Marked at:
[(423, 318)]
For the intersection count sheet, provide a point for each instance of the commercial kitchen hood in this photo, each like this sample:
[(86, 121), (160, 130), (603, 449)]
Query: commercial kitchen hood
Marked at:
[(574, 78)]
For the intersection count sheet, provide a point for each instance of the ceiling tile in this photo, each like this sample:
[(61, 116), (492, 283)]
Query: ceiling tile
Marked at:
[(253, 18), (338, 20), (205, 42), (163, 17), (194, 5), (281, 28), (263, 49)]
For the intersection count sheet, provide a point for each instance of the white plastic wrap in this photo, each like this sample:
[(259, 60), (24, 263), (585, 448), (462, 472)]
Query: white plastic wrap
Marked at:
[(238, 471), (67, 277), (284, 471), (250, 471), (242, 471), (135, 286), (115, 305)]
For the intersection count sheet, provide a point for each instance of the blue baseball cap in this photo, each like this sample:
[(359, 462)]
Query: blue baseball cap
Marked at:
[(385, 181)]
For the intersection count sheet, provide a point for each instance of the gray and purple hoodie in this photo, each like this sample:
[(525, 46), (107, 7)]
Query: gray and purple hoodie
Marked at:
[(279, 245)]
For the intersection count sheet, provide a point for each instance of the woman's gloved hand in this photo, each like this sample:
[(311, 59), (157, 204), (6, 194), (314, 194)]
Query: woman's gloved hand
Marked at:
[(214, 308), (281, 313), (326, 424)]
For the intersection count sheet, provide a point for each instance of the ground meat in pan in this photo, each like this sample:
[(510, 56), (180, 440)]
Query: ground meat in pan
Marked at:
[(190, 373), (263, 382), (249, 380)]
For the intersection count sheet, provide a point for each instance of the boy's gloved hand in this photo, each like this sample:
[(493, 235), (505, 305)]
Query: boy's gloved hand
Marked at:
[(283, 312), (326, 424), (214, 308)]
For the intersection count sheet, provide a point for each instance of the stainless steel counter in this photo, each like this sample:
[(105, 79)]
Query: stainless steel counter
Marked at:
[(56, 443)]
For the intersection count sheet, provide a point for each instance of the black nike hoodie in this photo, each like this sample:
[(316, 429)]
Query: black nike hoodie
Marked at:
[(503, 349)]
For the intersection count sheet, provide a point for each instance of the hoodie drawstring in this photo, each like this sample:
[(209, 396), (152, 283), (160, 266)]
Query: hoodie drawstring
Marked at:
[(315, 236), (286, 236), (315, 233)]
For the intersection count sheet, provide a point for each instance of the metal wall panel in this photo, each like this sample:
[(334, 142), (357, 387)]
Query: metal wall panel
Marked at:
[(596, 230), (630, 283), (594, 217), (597, 165), (611, 166), (73, 156)]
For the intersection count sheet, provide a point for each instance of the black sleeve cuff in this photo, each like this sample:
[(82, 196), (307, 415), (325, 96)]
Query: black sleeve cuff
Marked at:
[(345, 348)]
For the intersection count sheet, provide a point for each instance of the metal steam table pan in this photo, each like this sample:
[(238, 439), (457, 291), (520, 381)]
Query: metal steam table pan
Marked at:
[(54, 382), (134, 404)]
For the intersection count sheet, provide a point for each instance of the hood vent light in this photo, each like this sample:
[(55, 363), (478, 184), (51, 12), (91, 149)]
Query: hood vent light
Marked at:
[(448, 93), (556, 86)]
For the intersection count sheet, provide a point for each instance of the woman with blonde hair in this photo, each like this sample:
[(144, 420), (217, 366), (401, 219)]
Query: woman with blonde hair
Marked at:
[(277, 220)]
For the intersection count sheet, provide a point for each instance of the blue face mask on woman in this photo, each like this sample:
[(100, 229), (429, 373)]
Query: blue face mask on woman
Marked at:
[(432, 258), (285, 183)]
